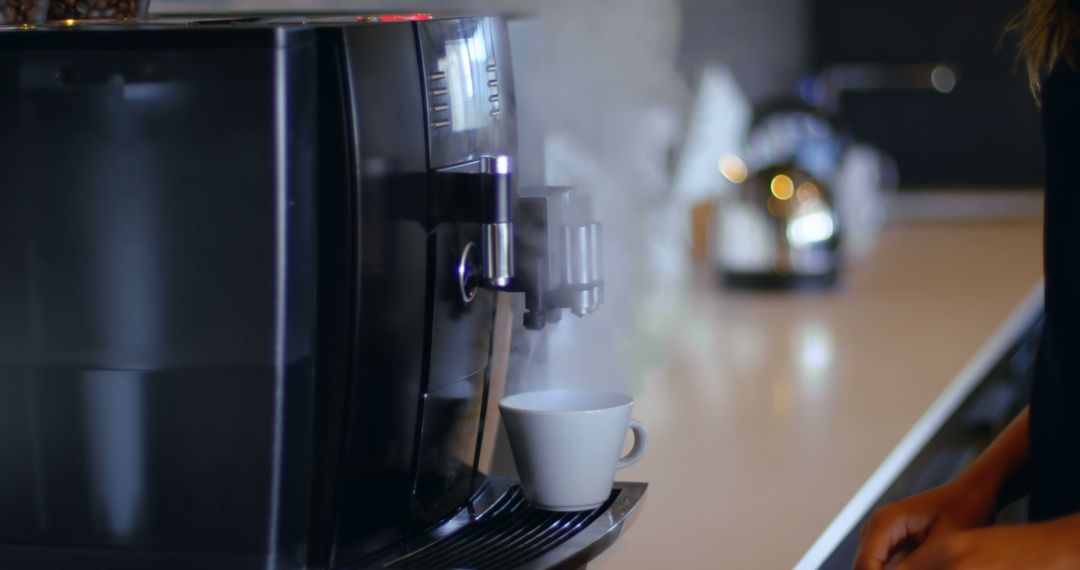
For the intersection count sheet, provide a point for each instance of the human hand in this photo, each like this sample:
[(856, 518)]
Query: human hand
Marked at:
[(1047, 546), (901, 527)]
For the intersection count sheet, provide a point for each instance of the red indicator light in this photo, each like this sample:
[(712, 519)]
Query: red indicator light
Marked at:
[(414, 17)]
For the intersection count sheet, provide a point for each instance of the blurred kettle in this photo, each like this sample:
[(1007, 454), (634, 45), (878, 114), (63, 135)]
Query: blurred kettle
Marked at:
[(778, 227), (779, 230)]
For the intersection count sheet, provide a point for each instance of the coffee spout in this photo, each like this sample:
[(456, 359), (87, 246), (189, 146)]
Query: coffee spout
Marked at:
[(557, 248)]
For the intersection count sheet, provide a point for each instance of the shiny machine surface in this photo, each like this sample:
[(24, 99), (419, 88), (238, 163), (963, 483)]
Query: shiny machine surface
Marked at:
[(248, 286)]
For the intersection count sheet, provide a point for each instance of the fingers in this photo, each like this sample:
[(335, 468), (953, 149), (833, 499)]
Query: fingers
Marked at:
[(941, 530), (884, 530), (889, 528), (938, 553), (928, 557)]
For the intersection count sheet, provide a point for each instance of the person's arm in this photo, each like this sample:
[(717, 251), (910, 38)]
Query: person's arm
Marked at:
[(969, 501), (1001, 472), (1047, 546)]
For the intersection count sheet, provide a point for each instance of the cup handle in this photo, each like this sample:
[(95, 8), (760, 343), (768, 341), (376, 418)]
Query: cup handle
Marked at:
[(641, 443)]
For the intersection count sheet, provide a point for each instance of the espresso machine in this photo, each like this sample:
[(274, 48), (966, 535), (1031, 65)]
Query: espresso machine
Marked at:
[(250, 270)]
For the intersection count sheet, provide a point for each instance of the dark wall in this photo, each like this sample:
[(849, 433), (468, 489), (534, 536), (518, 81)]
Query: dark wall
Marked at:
[(983, 134)]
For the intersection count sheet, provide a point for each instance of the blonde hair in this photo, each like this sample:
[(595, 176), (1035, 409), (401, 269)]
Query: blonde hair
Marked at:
[(1047, 29)]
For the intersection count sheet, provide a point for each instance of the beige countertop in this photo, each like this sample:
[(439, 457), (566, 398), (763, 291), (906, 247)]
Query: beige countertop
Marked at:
[(775, 408)]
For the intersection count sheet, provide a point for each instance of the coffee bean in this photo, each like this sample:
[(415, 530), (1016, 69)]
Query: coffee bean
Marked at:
[(21, 11), (79, 9)]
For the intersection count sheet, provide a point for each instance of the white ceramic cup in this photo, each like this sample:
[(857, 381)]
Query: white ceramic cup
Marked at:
[(566, 445)]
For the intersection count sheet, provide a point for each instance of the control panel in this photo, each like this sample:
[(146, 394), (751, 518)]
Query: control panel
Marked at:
[(469, 105)]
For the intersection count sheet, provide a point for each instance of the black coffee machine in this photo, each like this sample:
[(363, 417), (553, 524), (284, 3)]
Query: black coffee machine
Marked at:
[(249, 269)]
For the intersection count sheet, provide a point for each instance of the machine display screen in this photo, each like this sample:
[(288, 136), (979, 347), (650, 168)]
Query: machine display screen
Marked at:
[(464, 63), (468, 101)]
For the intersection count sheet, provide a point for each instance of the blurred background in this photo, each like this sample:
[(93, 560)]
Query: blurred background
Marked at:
[(648, 105), (815, 214)]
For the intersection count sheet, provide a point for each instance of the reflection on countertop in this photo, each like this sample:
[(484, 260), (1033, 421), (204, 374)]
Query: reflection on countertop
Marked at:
[(775, 408)]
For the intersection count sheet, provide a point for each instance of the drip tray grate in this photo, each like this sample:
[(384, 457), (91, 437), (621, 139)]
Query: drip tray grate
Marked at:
[(511, 533)]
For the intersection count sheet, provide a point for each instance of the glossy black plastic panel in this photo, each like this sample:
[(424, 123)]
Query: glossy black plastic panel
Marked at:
[(447, 458), (157, 240), (377, 465), (461, 331), (233, 335)]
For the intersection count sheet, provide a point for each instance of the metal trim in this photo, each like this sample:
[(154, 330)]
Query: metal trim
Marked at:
[(583, 545), (463, 267), (594, 539), (929, 424)]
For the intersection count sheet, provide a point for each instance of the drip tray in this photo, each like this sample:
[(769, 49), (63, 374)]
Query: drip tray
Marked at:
[(501, 530)]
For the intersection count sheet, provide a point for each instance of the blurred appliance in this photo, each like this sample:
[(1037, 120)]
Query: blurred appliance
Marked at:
[(250, 268), (779, 227)]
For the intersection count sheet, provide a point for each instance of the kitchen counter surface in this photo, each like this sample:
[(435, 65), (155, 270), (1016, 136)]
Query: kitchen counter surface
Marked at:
[(774, 408)]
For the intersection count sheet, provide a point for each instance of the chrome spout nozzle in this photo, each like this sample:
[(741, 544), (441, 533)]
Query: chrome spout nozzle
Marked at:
[(498, 230), (498, 247), (581, 253)]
